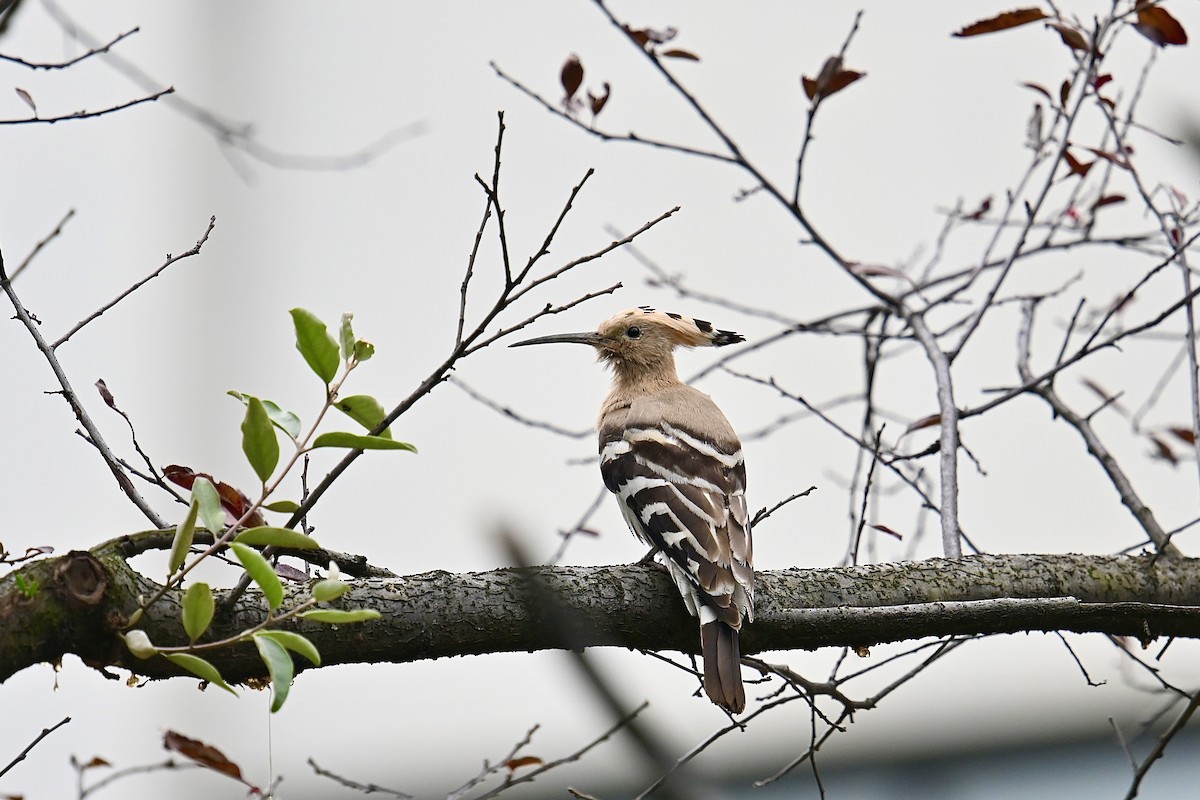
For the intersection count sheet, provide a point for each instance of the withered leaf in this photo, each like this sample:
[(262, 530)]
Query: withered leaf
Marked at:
[(26, 98), (1184, 434), (513, 764), (876, 269), (978, 213), (1156, 24), (924, 422), (1076, 166), (1100, 80), (831, 79), (290, 573), (649, 36), (1108, 200), (1162, 451), (597, 102), (1001, 22), (1038, 89), (1114, 158), (1064, 92), (1072, 37), (203, 754), (571, 76), (888, 531), (233, 501), (677, 53), (105, 394)]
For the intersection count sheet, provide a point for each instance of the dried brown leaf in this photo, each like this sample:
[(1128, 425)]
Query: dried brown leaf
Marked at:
[(1157, 25), (1076, 166), (924, 422), (1002, 22), (1040, 89), (888, 531), (513, 764), (203, 754), (1115, 158), (105, 394), (687, 55), (978, 213), (1064, 92), (1162, 451), (1072, 37), (1099, 81), (571, 77), (26, 98), (597, 102), (1184, 434), (1108, 200)]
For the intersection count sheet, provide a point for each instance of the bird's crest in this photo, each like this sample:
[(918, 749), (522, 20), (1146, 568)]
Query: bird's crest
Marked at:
[(681, 330)]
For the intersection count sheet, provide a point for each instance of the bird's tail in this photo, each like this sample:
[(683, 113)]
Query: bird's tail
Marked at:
[(722, 666)]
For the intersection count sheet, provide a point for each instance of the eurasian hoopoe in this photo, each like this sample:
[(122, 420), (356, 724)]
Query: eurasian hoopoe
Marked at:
[(675, 464)]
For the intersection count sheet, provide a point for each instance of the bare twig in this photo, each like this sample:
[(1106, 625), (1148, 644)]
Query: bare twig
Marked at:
[(51, 65), (1139, 774), (150, 98), (194, 251), (29, 747), (38, 247)]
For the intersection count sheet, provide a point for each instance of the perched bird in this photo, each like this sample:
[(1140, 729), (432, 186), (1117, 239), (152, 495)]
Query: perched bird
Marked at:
[(675, 464)]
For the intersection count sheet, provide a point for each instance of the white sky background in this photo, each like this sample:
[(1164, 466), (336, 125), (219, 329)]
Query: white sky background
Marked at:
[(937, 119)]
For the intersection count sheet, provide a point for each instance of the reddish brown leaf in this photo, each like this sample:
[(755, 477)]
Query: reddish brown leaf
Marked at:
[(180, 476), (832, 79), (978, 213), (1114, 158), (96, 761), (234, 502), (1161, 451), (1002, 22), (105, 394), (1041, 90), (648, 36), (203, 754), (291, 573), (571, 77), (1072, 37), (888, 531), (924, 422), (1157, 25), (514, 764), (27, 99), (1184, 434), (1076, 166), (1108, 200), (1064, 92), (597, 102), (1100, 80), (1098, 390), (677, 53)]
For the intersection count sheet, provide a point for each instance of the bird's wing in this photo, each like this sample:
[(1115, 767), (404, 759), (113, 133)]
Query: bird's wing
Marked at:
[(685, 495)]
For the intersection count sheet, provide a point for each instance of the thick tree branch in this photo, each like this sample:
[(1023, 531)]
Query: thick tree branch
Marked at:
[(76, 603)]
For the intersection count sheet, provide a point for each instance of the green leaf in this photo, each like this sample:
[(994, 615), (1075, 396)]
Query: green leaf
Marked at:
[(261, 572), (286, 421), (363, 350), (198, 608), (329, 589), (283, 506), (279, 664), (365, 410), (296, 643), (182, 542), (258, 440), (280, 537), (211, 511), (356, 442), (337, 617), (200, 668), (347, 336), (315, 344)]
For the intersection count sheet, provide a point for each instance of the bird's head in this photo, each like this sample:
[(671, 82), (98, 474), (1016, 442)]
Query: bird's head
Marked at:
[(642, 338)]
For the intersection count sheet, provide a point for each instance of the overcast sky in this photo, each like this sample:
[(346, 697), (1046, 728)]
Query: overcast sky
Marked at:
[(937, 120)]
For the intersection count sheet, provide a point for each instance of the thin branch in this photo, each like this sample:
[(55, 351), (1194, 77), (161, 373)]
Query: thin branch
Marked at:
[(212, 222), (51, 65), (29, 747), (1139, 774), (89, 114), (54, 234), (513, 415), (73, 401)]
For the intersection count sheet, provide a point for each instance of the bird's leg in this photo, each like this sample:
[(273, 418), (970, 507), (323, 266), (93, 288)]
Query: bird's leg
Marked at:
[(648, 559)]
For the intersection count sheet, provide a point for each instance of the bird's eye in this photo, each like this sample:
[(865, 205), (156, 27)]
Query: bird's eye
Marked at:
[(634, 332)]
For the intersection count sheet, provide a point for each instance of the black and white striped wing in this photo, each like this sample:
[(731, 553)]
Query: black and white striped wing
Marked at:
[(685, 496)]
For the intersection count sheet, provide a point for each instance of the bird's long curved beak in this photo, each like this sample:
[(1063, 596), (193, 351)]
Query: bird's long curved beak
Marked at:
[(591, 337)]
